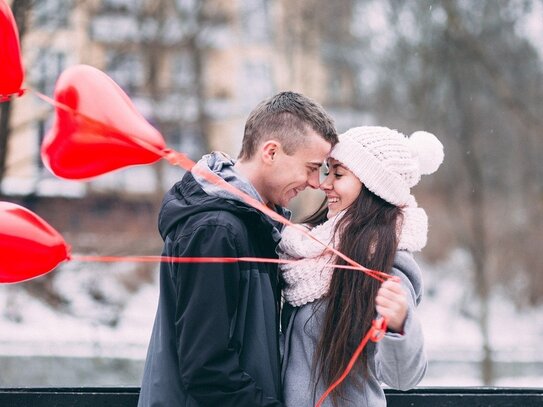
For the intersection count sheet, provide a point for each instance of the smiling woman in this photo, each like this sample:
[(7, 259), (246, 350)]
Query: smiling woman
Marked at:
[(372, 218), (341, 186)]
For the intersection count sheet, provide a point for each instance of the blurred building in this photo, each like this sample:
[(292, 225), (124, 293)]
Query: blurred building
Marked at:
[(193, 68)]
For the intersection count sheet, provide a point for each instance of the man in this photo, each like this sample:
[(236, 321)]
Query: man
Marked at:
[(215, 338)]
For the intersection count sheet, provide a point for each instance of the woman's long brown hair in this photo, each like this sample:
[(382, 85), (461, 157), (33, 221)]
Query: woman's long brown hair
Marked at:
[(367, 234)]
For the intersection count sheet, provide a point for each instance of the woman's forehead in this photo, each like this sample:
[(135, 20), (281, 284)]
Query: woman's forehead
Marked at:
[(331, 162)]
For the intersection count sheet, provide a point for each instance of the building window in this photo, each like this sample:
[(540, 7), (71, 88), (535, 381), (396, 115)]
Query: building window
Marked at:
[(121, 5), (114, 28), (52, 14), (256, 83), (255, 21), (183, 70), (46, 69), (126, 69)]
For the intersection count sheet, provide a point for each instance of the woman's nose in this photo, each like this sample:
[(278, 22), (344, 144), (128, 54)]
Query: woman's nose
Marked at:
[(326, 184)]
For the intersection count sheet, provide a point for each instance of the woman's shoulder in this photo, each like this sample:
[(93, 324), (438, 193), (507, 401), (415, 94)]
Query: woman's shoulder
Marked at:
[(406, 267), (405, 259)]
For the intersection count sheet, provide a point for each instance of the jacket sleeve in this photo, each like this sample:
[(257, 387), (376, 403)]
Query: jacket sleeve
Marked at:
[(207, 298), (400, 359)]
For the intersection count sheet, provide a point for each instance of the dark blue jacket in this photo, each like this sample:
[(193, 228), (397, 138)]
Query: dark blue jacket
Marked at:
[(215, 337)]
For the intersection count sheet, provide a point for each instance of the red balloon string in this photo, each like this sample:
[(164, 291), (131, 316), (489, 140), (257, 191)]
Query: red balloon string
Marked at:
[(181, 160), (375, 334), (170, 259), (176, 158)]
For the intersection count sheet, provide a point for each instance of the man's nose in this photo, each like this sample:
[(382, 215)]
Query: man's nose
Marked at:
[(313, 180)]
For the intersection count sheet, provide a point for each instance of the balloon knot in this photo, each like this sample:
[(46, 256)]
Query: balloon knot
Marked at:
[(7, 97), (179, 159), (68, 252)]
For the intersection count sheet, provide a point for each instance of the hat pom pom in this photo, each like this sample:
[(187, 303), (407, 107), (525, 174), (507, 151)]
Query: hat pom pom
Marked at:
[(428, 149)]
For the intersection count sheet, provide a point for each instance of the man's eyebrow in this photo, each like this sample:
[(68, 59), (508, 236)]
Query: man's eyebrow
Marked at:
[(315, 163)]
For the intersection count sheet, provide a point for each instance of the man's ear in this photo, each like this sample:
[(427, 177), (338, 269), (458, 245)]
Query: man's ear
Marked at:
[(269, 151)]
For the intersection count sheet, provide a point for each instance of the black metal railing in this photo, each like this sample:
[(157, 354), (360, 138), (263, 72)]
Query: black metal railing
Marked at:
[(420, 397)]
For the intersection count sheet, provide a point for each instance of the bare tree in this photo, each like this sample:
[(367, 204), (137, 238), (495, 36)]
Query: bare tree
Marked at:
[(464, 72), (156, 48)]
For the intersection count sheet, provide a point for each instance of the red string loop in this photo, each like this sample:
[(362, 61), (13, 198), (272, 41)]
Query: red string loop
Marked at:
[(378, 329)]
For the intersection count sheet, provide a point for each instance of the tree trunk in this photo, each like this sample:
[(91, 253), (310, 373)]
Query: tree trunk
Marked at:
[(5, 113), (477, 240), (198, 55)]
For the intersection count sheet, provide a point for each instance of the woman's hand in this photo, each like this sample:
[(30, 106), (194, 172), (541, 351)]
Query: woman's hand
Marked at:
[(391, 303)]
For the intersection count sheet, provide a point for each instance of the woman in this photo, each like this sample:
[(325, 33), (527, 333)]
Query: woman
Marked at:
[(372, 218)]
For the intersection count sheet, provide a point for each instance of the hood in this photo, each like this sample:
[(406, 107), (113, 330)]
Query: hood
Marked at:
[(194, 194)]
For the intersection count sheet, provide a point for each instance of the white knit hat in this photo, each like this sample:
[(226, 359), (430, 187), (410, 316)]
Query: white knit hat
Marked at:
[(388, 163)]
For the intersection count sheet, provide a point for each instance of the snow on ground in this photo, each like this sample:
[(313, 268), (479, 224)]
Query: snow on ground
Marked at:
[(118, 325), (448, 313), (119, 328), (453, 340)]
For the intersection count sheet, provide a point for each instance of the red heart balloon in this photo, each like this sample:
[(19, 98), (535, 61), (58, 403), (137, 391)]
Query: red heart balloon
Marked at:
[(29, 247), (11, 66), (97, 129)]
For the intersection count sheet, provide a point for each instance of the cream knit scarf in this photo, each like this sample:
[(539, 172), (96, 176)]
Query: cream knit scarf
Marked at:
[(309, 278)]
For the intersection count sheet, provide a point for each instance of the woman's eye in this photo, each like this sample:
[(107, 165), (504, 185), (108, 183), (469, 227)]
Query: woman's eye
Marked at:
[(338, 175)]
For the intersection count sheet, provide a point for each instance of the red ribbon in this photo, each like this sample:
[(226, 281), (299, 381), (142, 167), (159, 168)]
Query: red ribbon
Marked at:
[(169, 259)]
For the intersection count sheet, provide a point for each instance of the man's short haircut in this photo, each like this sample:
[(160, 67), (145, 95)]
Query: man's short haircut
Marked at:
[(286, 117)]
